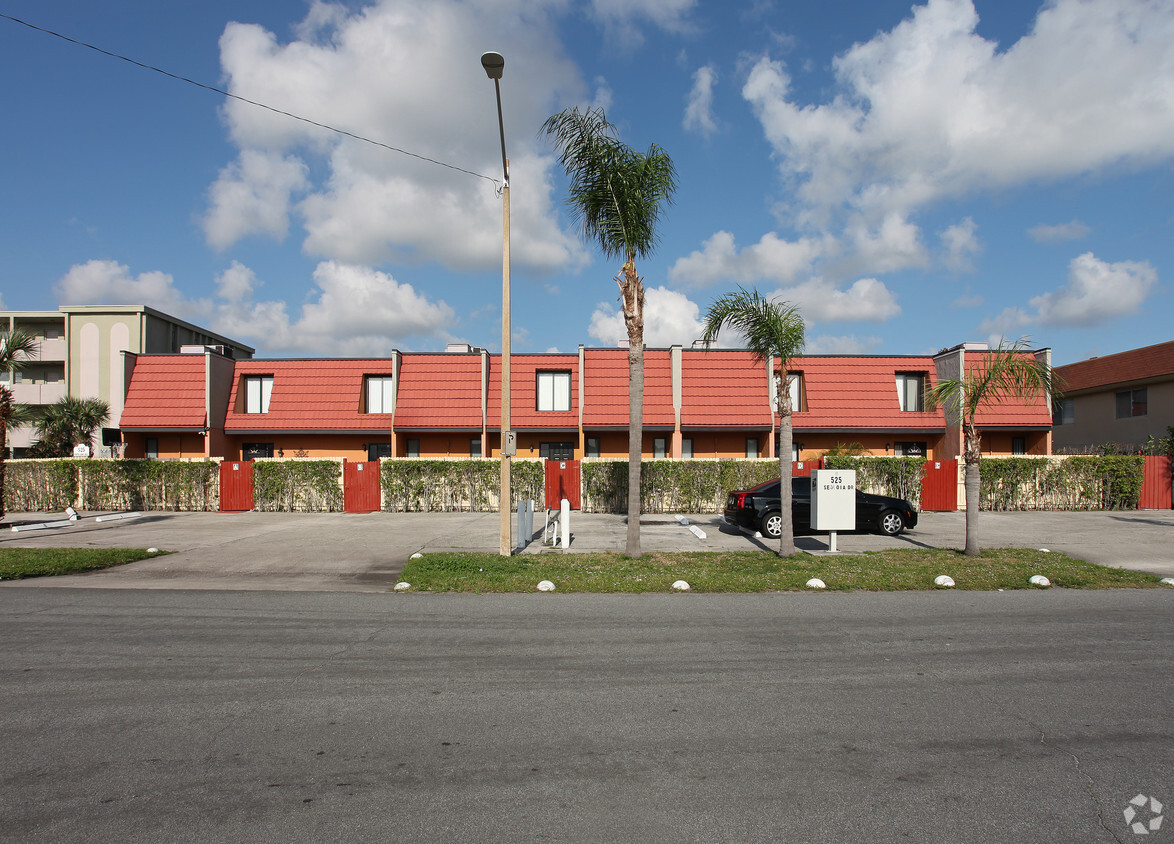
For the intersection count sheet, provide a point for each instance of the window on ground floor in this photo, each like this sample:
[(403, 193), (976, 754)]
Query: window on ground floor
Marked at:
[(911, 449), (375, 451), (556, 451), (1019, 445), (413, 448), (594, 448), (151, 448), (251, 451), (687, 447), (660, 447), (475, 447), (752, 446)]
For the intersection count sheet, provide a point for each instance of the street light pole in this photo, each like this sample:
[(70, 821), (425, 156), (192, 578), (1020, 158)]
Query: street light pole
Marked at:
[(494, 64)]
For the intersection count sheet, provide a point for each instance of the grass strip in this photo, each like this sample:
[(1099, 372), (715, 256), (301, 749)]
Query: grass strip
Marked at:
[(18, 563), (757, 571)]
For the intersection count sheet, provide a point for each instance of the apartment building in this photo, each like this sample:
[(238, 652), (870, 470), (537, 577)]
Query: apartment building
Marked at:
[(697, 403), (80, 353)]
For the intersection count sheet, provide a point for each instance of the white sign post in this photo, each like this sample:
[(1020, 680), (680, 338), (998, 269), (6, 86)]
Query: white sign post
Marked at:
[(833, 501)]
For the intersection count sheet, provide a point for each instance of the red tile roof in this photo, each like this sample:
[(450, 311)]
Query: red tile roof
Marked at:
[(605, 402), (524, 413), (439, 392), (165, 391), (308, 395), (1010, 412), (1121, 368), (850, 393), (723, 388)]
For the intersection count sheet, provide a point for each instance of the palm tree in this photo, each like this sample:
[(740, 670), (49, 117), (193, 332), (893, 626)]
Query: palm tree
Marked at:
[(70, 421), (617, 195), (16, 350), (772, 330), (1005, 372)]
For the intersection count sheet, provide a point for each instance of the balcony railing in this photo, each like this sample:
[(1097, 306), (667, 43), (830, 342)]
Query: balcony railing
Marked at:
[(25, 393)]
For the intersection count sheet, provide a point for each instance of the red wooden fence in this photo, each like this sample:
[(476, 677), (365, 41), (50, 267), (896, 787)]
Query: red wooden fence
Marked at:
[(360, 487), (236, 486), (563, 480), (1156, 491), (939, 486)]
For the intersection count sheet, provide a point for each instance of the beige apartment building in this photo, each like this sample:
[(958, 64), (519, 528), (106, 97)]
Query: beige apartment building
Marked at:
[(1124, 398), (80, 353)]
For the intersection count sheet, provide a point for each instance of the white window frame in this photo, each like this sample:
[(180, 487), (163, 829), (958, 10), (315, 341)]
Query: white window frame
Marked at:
[(258, 392), (794, 387), (906, 380), (554, 391), (380, 391)]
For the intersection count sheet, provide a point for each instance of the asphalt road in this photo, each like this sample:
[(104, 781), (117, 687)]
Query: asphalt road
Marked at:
[(195, 716)]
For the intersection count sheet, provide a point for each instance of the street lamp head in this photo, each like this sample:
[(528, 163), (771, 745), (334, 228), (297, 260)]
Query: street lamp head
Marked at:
[(494, 64)]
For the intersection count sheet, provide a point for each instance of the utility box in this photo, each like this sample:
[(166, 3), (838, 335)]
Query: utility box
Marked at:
[(833, 499)]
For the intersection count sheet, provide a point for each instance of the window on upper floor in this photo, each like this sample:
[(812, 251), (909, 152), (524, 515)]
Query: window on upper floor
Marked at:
[(258, 390), (554, 390), (1064, 412), (380, 394), (794, 387), (1132, 403), (911, 391)]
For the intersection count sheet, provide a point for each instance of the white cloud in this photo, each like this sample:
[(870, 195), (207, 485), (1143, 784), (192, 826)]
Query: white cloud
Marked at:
[(111, 283), (961, 245), (893, 245), (236, 284), (353, 311), (669, 318), (771, 259), (358, 312), (699, 109), (826, 344), (368, 71), (1097, 292), (865, 300), (621, 18), (252, 196), (932, 109), (1072, 230)]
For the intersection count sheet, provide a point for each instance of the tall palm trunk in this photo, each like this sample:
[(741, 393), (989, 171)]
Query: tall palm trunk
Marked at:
[(973, 484), (5, 415), (632, 299), (786, 439)]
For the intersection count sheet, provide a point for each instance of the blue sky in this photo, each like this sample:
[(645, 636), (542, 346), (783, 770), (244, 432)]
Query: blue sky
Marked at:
[(910, 176)]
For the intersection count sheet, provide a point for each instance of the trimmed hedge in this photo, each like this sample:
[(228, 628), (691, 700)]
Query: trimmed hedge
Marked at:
[(898, 477), (427, 485), (298, 485), (1080, 482), (93, 484)]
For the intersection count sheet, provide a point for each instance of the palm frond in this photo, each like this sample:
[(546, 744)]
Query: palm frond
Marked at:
[(616, 194), (769, 328)]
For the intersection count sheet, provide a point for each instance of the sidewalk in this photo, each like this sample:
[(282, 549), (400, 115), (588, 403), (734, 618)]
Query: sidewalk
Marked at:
[(367, 552)]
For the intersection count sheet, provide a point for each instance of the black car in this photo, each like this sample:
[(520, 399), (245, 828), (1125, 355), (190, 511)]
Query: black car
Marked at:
[(758, 509)]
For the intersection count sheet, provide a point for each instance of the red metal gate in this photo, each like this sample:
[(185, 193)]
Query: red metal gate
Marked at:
[(804, 468), (236, 486), (563, 480), (939, 486), (1156, 493), (360, 487)]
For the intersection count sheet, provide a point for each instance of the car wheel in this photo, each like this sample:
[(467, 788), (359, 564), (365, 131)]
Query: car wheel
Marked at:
[(772, 525), (891, 523)]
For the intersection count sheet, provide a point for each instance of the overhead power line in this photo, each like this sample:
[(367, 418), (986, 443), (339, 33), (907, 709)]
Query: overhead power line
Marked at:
[(232, 96)]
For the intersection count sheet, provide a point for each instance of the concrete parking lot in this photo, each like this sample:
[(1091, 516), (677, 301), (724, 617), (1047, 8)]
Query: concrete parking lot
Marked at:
[(366, 552)]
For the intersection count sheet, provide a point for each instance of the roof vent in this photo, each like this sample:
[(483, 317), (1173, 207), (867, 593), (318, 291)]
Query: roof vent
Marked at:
[(459, 348), (975, 347), (199, 350)]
